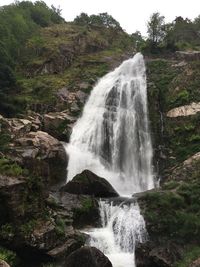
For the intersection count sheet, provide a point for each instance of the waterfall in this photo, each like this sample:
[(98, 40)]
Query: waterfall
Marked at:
[(122, 228), (112, 137)]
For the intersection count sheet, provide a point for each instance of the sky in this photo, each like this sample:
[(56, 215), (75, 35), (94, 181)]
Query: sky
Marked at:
[(131, 14)]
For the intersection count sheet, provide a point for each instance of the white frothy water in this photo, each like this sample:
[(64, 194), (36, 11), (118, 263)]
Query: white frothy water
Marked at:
[(112, 137), (122, 228)]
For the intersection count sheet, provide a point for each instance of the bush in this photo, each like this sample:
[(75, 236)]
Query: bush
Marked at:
[(9, 256)]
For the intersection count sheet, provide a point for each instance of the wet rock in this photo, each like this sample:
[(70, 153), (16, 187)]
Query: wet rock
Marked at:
[(87, 257), (88, 183), (149, 254), (183, 111), (64, 249), (80, 210)]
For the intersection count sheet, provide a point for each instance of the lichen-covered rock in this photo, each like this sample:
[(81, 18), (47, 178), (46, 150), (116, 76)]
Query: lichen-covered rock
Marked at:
[(88, 183), (186, 110), (87, 257)]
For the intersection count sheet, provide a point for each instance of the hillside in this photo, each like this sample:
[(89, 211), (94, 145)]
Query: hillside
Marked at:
[(48, 68)]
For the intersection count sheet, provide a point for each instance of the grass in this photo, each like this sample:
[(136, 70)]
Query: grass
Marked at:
[(10, 168), (175, 213), (60, 227), (9, 256), (190, 255)]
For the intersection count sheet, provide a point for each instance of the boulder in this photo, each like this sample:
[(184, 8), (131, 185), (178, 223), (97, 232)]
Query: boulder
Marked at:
[(12, 197), (187, 170), (87, 257), (59, 125), (195, 263), (80, 210), (16, 127), (149, 254), (42, 154), (184, 111), (88, 183), (4, 264)]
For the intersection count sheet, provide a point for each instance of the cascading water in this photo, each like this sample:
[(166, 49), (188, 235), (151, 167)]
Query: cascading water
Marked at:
[(112, 139), (122, 228)]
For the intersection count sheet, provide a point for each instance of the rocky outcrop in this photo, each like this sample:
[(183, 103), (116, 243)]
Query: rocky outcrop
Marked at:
[(42, 154), (12, 198), (188, 55), (17, 127), (187, 170), (88, 183), (148, 255), (87, 257), (195, 263), (59, 125), (80, 210), (186, 110)]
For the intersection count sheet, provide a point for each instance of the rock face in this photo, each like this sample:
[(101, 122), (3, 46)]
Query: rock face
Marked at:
[(186, 110), (43, 154), (12, 195), (88, 183), (59, 125), (187, 170), (188, 55), (87, 257), (195, 263), (150, 255)]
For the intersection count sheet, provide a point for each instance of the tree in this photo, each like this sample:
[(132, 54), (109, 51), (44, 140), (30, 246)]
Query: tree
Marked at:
[(155, 29), (82, 19), (138, 40), (102, 19)]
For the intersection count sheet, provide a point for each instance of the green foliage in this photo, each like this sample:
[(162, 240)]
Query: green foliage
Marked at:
[(27, 228), (7, 231), (60, 227), (10, 168), (190, 254), (155, 29), (170, 185), (102, 19), (4, 141), (168, 210), (18, 22), (9, 256), (181, 98), (86, 213), (180, 34)]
